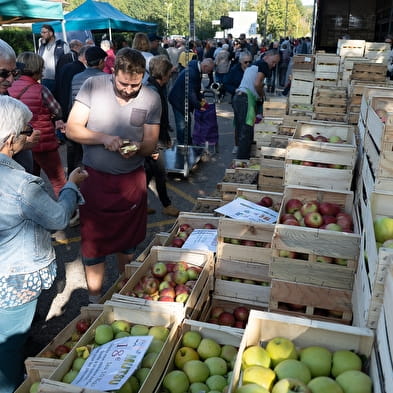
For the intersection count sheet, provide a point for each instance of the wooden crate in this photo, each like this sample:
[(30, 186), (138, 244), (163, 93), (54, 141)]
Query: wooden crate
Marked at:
[(90, 313), (228, 190), (203, 259), (303, 62), (377, 51), (135, 314), (351, 47), (241, 231), (256, 195), (331, 117), (159, 239), (318, 241), (302, 82), (299, 98), (311, 301), (387, 314), (263, 326), (369, 72), (265, 129), (301, 110), (223, 335), (207, 205), (275, 108)]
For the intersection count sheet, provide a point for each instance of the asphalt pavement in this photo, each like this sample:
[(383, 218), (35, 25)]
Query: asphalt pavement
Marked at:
[(60, 304)]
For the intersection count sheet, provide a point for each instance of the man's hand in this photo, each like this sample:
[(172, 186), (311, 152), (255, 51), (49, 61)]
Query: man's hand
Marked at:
[(112, 143)]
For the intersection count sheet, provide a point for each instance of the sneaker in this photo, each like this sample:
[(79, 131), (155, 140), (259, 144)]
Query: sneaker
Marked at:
[(74, 221), (150, 210), (171, 211)]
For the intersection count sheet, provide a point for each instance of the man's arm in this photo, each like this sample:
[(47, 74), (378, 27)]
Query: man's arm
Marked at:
[(77, 131), (150, 139), (259, 84)]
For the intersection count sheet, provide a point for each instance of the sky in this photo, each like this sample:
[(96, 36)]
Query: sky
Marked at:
[(308, 2)]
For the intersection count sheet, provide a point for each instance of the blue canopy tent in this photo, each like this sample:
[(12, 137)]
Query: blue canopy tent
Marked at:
[(25, 11), (94, 15)]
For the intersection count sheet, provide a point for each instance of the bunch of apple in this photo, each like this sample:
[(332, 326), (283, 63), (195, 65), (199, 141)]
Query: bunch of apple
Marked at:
[(246, 281), (167, 282), (61, 350), (184, 231), (314, 214), (236, 317), (322, 138), (105, 333), (201, 365), (246, 242), (281, 368)]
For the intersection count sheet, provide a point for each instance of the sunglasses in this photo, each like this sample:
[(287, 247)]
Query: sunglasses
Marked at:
[(27, 131), (6, 73)]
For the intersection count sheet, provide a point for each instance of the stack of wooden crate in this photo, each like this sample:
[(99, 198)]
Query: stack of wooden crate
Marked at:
[(330, 103), (346, 66), (369, 72), (326, 70), (302, 85), (303, 62), (353, 48), (275, 107), (377, 51)]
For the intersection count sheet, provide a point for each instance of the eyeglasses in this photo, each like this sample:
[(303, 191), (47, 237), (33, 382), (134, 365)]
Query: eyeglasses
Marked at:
[(6, 73), (27, 131)]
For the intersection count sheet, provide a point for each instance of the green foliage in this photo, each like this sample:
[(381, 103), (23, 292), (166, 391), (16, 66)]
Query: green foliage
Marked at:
[(21, 40)]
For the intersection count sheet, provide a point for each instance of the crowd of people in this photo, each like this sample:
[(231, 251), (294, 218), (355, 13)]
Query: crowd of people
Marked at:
[(110, 109)]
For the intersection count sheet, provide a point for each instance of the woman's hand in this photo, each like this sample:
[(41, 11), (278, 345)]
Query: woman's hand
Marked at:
[(77, 176), (32, 140)]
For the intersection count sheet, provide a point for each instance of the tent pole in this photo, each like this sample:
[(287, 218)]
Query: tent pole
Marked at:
[(63, 29), (110, 31)]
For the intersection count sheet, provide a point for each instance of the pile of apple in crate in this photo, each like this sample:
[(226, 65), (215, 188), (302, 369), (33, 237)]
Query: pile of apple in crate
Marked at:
[(284, 283)]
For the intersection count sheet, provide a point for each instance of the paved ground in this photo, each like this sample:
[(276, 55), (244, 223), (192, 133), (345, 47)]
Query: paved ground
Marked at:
[(62, 302)]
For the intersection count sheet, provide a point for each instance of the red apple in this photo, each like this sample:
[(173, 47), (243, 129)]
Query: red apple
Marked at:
[(216, 312), (159, 270), (308, 137), (250, 243), (226, 319), (184, 227), (286, 216), (329, 220), (177, 242), (313, 220), (240, 324), (308, 163), (266, 201), (166, 299), (291, 221), (170, 277), (168, 292), (241, 313), (213, 320), (170, 266), (180, 266), (208, 225), (82, 325), (309, 207), (292, 205), (321, 138), (328, 209), (151, 285), (61, 350), (146, 296), (181, 288), (344, 220)]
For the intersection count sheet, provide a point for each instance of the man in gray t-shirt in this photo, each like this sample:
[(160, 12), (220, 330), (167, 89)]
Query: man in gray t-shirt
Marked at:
[(117, 121)]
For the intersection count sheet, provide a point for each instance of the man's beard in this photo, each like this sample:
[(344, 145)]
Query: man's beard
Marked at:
[(123, 95)]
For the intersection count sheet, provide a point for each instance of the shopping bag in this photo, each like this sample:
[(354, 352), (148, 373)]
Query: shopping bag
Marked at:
[(205, 126)]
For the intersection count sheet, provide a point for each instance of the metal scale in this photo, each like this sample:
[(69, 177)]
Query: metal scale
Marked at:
[(182, 158)]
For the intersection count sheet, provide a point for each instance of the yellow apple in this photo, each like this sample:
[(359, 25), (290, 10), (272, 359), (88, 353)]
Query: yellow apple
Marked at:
[(281, 348), (255, 356), (260, 375)]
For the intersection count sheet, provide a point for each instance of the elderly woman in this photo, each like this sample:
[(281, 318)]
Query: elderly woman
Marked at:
[(27, 258)]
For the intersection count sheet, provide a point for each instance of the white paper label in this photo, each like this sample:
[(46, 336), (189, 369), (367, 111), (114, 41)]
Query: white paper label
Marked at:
[(202, 239), (242, 209), (110, 365)]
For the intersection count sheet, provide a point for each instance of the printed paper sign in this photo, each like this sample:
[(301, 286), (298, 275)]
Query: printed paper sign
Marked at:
[(202, 239), (242, 209), (110, 365)]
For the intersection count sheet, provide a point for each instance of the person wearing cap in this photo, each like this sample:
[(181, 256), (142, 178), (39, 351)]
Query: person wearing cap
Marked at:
[(107, 46), (155, 45)]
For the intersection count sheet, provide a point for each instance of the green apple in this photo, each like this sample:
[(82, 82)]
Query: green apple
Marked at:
[(318, 359), (176, 381), (216, 382), (120, 326), (354, 381), (133, 380), (159, 332), (260, 375), (70, 376), (155, 346), (344, 360), (255, 356), (191, 339), (281, 348), (139, 330), (103, 334), (229, 377), (142, 374), (196, 371), (149, 359), (122, 334), (34, 387), (228, 353), (183, 355), (208, 348), (198, 387), (78, 363), (383, 228), (324, 385), (292, 368), (126, 388), (217, 365), (251, 388), (290, 385)]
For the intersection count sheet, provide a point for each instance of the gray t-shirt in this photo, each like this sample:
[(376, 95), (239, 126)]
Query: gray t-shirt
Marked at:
[(108, 116)]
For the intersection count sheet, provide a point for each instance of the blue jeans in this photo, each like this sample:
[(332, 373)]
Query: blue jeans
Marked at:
[(244, 132), (15, 323), (181, 127)]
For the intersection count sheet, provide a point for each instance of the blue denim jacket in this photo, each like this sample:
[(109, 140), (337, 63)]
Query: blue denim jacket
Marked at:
[(28, 214)]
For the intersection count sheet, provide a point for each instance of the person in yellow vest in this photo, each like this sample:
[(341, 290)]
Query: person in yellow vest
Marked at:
[(183, 61)]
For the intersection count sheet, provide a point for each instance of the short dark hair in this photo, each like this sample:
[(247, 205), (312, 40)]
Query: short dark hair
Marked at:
[(48, 27), (130, 61)]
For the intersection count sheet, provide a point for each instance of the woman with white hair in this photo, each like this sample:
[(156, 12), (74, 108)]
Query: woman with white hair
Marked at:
[(109, 62), (27, 258)]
